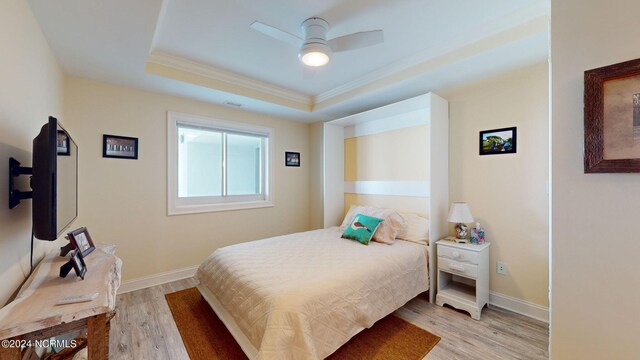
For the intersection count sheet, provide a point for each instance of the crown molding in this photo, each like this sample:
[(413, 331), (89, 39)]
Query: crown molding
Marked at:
[(428, 60), (161, 63), (516, 26)]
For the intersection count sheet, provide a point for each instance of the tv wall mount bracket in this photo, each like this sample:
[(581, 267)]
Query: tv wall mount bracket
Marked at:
[(15, 195)]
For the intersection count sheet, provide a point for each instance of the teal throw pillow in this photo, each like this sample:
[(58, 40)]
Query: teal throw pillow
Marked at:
[(362, 228)]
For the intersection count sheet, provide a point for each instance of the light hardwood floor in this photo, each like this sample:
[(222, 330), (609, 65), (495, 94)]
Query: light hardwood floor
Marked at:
[(144, 329)]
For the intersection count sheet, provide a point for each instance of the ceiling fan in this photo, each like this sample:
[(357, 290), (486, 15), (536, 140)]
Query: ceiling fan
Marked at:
[(315, 49)]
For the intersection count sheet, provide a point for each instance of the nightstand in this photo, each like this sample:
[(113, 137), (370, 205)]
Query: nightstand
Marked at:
[(463, 276)]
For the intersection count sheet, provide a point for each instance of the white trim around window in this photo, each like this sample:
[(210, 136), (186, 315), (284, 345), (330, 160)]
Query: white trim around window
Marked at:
[(189, 205)]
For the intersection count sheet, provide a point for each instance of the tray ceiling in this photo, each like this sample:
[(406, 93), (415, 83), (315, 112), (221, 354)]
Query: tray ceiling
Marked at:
[(204, 49)]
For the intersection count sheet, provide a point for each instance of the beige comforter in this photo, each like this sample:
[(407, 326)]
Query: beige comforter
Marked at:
[(302, 296)]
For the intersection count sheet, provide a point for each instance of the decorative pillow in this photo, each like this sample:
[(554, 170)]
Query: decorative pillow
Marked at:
[(415, 229), (388, 230), (362, 228)]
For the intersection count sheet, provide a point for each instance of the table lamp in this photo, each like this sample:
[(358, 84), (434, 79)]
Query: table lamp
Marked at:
[(461, 215)]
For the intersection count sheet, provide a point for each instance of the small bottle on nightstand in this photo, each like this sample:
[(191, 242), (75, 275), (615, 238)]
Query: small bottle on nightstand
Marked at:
[(477, 235)]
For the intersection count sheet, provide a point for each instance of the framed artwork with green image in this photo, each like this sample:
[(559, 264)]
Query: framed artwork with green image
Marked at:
[(498, 141)]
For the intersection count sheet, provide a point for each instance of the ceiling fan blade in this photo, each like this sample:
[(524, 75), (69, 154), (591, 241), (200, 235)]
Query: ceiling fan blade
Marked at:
[(356, 40), (277, 33)]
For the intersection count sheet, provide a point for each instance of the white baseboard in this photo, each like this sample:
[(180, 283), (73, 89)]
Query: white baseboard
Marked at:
[(156, 279), (516, 305)]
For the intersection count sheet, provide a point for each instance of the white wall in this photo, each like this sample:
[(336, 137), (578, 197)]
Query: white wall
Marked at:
[(31, 89), (124, 202), (506, 193), (316, 177), (333, 174), (595, 217)]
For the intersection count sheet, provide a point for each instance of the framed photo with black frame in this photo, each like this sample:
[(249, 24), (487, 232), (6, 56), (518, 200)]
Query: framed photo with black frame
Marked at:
[(119, 147), (76, 263), (81, 240), (292, 158), (498, 141)]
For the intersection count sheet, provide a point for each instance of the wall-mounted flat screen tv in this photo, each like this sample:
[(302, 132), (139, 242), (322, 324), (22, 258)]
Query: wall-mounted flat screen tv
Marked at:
[(54, 181)]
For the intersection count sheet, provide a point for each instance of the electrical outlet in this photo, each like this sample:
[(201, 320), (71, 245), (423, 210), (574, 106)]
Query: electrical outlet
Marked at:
[(501, 268), (289, 230)]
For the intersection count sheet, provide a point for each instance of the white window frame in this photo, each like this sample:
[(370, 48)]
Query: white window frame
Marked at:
[(191, 205)]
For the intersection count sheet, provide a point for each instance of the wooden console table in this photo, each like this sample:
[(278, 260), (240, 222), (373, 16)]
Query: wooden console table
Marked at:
[(34, 315)]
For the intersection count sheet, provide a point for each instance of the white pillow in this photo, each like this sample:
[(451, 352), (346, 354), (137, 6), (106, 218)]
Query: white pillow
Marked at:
[(415, 229), (353, 210)]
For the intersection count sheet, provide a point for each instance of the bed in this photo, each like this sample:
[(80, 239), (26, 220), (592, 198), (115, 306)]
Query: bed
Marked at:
[(302, 296)]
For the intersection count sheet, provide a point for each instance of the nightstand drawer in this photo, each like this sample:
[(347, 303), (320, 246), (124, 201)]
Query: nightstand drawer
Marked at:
[(458, 254), (456, 267)]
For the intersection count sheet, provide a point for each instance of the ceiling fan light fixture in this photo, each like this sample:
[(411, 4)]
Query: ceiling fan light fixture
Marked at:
[(315, 54), (315, 49)]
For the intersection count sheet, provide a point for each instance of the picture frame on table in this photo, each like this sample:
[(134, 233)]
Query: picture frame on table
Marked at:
[(77, 260), (81, 240), (612, 118), (76, 263)]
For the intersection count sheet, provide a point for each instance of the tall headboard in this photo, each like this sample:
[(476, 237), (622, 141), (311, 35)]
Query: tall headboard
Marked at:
[(395, 157)]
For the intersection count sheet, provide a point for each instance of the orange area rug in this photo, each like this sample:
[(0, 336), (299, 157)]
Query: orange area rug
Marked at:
[(206, 337)]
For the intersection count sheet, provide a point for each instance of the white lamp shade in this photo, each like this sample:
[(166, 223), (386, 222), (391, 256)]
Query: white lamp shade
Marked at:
[(460, 213)]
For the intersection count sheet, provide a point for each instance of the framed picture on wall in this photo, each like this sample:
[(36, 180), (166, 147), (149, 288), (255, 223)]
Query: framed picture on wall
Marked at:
[(120, 147), (291, 158), (498, 141), (612, 118)]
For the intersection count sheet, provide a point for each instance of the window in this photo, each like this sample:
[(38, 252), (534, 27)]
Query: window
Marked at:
[(216, 165)]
